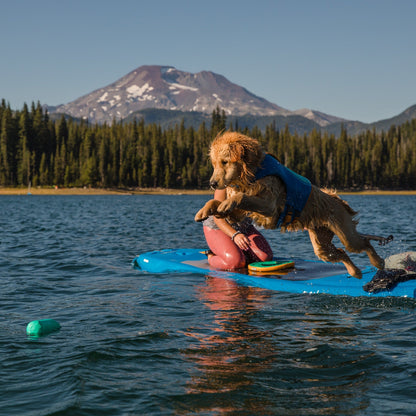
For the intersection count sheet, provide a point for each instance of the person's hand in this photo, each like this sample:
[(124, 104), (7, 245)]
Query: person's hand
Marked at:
[(242, 241)]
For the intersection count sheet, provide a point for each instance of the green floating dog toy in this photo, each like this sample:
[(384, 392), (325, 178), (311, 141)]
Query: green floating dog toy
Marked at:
[(42, 327)]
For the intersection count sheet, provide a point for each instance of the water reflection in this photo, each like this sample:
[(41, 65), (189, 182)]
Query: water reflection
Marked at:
[(230, 349), (253, 356)]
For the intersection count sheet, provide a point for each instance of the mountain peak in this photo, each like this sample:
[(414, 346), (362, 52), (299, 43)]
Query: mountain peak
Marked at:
[(165, 87)]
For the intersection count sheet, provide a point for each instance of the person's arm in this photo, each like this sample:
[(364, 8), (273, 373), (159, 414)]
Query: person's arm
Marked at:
[(238, 237)]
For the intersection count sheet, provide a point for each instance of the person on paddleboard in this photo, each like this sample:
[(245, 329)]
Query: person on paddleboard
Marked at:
[(234, 245)]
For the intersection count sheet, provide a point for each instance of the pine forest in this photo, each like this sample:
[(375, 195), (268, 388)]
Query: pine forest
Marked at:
[(67, 153)]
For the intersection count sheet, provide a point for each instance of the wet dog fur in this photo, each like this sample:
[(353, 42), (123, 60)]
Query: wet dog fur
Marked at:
[(235, 159)]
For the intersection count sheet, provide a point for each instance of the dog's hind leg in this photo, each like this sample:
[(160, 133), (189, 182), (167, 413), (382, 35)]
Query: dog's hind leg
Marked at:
[(355, 242), (375, 259), (321, 239)]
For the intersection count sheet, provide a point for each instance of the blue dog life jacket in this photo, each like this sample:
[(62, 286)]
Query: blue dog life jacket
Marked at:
[(298, 188)]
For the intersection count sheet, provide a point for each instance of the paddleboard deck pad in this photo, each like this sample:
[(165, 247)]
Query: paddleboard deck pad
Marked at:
[(270, 267), (307, 276)]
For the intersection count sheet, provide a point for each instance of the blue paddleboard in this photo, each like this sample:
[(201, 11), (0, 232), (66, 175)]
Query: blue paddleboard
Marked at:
[(308, 276)]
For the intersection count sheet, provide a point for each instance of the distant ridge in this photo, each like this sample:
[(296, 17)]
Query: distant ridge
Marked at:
[(356, 127), (294, 123), (168, 118)]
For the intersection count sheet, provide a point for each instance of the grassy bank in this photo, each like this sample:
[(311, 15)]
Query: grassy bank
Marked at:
[(153, 191), (100, 191)]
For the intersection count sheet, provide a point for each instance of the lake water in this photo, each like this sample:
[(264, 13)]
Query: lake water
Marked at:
[(133, 343)]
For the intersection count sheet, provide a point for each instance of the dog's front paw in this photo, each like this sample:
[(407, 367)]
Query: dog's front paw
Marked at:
[(227, 206), (201, 215), (210, 208)]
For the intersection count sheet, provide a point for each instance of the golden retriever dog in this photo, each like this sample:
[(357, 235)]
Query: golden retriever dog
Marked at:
[(271, 202)]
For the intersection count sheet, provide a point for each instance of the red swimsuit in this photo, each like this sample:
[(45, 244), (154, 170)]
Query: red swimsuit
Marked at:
[(227, 255)]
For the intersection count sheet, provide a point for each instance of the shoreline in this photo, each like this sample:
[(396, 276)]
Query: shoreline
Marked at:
[(155, 191), (100, 191)]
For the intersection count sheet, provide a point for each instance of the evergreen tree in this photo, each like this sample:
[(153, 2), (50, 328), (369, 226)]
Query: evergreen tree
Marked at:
[(8, 146), (24, 168), (218, 121)]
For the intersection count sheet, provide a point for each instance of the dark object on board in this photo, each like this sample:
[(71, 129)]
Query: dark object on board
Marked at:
[(399, 268)]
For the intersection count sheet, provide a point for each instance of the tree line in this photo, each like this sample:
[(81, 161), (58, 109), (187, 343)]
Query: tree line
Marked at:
[(36, 149)]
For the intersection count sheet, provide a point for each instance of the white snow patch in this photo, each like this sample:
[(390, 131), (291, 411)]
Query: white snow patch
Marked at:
[(104, 107), (174, 86), (166, 70), (147, 97), (135, 91), (216, 97), (309, 115), (103, 97)]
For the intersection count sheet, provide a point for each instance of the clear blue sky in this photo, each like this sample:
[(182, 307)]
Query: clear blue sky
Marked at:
[(353, 58)]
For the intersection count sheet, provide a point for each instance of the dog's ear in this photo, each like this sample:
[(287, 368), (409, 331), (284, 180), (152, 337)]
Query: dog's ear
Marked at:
[(255, 154), (250, 154), (237, 152)]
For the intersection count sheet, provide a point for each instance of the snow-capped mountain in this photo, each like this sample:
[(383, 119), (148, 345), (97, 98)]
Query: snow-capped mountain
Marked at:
[(320, 118), (165, 87)]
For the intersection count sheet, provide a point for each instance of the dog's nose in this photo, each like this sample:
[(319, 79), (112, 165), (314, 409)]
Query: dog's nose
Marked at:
[(213, 184)]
